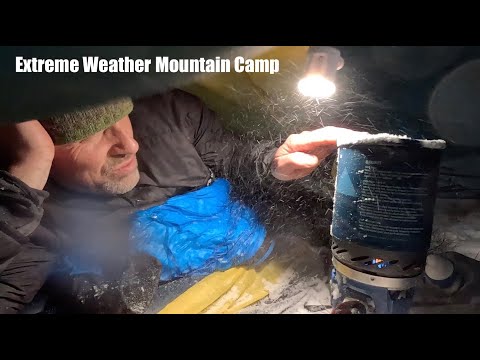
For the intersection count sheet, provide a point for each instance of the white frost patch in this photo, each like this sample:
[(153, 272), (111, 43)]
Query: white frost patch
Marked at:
[(274, 289), (356, 137), (335, 292), (230, 297), (299, 295), (456, 227), (302, 288)]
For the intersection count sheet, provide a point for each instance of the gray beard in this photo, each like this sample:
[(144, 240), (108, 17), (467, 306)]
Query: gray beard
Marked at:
[(121, 186)]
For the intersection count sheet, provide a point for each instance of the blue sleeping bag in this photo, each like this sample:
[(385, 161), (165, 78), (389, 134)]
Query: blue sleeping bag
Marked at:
[(199, 232)]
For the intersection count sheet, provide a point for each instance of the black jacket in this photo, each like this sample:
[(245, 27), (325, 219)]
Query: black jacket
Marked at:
[(182, 147)]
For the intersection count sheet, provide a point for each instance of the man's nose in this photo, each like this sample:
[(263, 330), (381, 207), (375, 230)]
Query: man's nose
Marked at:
[(124, 143)]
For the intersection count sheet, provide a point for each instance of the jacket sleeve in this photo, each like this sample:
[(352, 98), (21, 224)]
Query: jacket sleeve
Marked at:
[(24, 265)]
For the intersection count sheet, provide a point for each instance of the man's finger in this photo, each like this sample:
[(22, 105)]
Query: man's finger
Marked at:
[(323, 152), (309, 140), (296, 174), (284, 167)]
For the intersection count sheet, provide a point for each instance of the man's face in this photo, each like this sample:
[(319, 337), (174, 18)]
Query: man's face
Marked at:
[(105, 162)]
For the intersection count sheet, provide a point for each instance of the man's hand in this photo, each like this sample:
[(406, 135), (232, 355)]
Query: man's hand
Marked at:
[(30, 152), (301, 153)]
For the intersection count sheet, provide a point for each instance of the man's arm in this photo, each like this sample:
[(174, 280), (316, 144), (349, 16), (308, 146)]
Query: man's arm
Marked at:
[(24, 266)]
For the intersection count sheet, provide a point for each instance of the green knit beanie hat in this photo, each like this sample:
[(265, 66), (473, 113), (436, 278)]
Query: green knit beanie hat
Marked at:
[(86, 121)]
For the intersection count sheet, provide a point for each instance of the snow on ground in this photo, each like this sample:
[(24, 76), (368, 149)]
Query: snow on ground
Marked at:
[(303, 288)]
